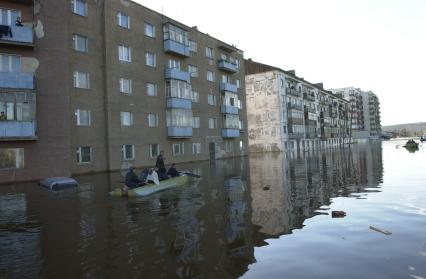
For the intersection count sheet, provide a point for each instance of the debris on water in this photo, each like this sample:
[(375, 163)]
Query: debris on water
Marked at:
[(380, 230), (266, 188), (338, 214)]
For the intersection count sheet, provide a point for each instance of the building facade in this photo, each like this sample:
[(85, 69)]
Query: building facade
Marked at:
[(286, 112), (364, 112), (92, 86)]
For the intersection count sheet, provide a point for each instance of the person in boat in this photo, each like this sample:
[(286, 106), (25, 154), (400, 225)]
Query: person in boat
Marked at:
[(144, 175), (132, 180), (160, 162), (18, 22), (161, 174), (173, 171), (152, 177)]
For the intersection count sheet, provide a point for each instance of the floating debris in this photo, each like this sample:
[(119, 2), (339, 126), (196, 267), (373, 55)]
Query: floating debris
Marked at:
[(380, 230), (338, 214), (266, 188)]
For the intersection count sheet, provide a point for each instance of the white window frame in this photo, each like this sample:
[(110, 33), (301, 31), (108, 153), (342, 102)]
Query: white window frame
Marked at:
[(152, 28), (181, 149), (196, 148), (210, 76), (196, 122), (193, 71), (195, 97), (211, 99), (123, 116), (79, 155), (77, 83), (154, 86), (148, 56), (238, 83), (151, 149), (120, 16), (16, 158), (122, 87), (75, 38), (155, 119), (124, 53), (124, 153), (229, 146), (193, 46), (79, 120), (214, 122), (209, 52)]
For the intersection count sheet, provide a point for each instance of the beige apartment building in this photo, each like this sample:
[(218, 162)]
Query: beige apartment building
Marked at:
[(89, 86)]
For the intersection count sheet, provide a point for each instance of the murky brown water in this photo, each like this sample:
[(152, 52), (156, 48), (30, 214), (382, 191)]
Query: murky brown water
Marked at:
[(249, 217)]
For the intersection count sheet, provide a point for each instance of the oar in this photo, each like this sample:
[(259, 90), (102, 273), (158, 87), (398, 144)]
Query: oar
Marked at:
[(191, 174)]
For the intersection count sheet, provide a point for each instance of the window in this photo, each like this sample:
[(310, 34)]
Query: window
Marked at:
[(150, 59), (238, 82), (192, 46), (195, 97), (226, 79), (178, 149), (231, 121), (174, 33), (10, 63), (126, 118), (123, 20), (211, 99), (18, 111), (79, 7), (173, 64), (238, 63), (210, 76), (242, 145), (125, 86), (124, 53), (196, 148), (149, 30), (11, 158), (178, 89), (196, 122), (128, 152), (154, 150), (209, 52), (151, 89), (193, 70), (80, 43), (81, 80), (84, 154), (179, 118), (8, 16), (83, 117), (228, 146), (241, 125), (212, 123), (152, 120)]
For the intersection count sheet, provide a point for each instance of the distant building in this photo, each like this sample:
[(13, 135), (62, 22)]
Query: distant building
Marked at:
[(364, 112), (89, 86), (286, 112)]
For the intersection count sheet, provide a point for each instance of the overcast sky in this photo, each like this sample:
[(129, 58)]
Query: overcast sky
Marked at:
[(377, 45)]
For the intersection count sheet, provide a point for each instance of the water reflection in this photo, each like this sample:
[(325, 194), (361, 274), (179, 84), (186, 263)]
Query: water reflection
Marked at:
[(208, 229)]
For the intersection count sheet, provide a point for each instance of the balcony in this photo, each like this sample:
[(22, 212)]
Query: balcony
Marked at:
[(19, 36), (296, 135), (228, 109), (227, 66), (229, 87), (17, 80), (308, 97), (17, 130), (310, 109), (174, 73), (179, 132), (291, 106), (179, 103), (293, 92), (230, 133), (177, 48)]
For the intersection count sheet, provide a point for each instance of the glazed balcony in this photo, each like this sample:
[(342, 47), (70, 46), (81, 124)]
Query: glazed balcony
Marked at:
[(229, 87), (23, 35), (17, 130), (293, 92), (179, 103), (174, 73), (230, 133), (179, 132), (308, 97), (227, 66), (176, 48), (16, 80), (291, 106), (228, 109)]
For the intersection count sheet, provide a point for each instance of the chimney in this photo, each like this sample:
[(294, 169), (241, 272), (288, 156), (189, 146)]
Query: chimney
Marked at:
[(292, 72), (320, 85), (195, 27)]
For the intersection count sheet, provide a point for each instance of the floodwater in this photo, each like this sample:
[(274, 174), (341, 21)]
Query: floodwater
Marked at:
[(263, 216)]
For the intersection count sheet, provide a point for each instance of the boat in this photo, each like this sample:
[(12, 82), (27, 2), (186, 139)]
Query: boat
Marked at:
[(423, 138), (151, 188), (411, 144)]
